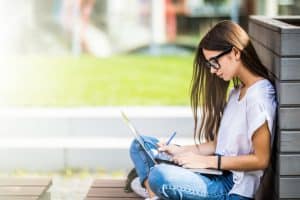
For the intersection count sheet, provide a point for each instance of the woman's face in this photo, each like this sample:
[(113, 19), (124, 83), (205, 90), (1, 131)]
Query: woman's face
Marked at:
[(222, 63)]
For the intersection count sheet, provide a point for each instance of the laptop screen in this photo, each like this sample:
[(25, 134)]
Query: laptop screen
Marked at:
[(137, 136)]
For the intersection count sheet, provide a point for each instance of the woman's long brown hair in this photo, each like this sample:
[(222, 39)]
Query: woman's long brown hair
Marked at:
[(208, 91)]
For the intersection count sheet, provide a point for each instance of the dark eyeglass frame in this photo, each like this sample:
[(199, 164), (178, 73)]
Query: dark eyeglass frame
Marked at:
[(208, 63)]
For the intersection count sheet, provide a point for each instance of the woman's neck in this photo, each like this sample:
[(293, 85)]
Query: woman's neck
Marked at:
[(248, 78)]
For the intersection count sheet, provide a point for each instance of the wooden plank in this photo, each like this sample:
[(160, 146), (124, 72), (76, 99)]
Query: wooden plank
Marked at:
[(269, 38), (283, 24), (21, 191), (267, 57), (288, 199), (109, 189), (290, 141), (276, 35), (289, 164), (107, 198), (7, 181), (17, 198), (23, 188), (109, 192), (289, 118), (290, 93), (289, 68), (284, 68), (289, 46), (109, 183), (289, 187)]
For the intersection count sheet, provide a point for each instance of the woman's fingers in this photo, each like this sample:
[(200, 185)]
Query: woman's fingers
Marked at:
[(179, 162), (181, 159), (170, 149), (177, 159), (161, 144), (163, 148)]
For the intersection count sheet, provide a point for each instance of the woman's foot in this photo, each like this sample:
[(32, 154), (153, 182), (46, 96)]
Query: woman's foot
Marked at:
[(138, 188)]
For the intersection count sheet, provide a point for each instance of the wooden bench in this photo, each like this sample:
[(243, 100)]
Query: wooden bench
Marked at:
[(25, 188), (109, 189)]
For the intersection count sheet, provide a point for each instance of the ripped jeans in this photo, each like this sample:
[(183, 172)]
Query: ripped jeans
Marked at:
[(171, 182)]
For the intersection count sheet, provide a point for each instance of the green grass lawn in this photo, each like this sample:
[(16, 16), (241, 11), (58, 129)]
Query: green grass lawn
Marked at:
[(89, 81)]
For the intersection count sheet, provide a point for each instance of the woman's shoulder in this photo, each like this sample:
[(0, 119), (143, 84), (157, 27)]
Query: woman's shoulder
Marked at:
[(261, 91)]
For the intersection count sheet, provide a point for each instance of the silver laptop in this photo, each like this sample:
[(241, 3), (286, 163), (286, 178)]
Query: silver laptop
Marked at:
[(161, 158)]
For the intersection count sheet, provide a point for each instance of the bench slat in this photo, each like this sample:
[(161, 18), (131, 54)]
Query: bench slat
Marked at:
[(109, 192), (25, 182), (17, 198), (289, 187), (21, 191), (109, 183), (112, 198), (23, 188), (108, 189)]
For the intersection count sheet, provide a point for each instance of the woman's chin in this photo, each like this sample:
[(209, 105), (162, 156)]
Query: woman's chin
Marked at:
[(224, 78)]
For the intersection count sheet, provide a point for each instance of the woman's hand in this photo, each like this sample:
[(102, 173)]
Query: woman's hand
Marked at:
[(192, 160), (170, 149)]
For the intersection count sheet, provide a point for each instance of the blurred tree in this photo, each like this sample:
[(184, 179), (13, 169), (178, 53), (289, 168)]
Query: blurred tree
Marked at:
[(215, 2)]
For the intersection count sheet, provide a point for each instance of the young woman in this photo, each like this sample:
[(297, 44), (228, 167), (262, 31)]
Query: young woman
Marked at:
[(237, 131)]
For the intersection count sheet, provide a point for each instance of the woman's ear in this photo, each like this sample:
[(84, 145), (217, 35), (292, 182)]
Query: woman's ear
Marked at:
[(236, 53)]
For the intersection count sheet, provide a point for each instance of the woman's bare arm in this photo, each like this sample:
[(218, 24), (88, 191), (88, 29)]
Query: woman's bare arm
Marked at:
[(201, 149), (207, 148), (259, 159)]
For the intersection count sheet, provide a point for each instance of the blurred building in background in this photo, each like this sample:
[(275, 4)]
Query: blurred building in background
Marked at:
[(106, 27)]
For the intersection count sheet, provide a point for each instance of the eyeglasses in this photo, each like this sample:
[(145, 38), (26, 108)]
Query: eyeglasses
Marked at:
[(213, 61)]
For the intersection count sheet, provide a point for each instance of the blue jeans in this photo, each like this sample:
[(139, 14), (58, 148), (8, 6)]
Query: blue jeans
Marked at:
[(173, 182)]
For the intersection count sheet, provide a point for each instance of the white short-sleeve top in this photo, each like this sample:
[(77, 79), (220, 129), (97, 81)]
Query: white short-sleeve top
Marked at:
[(241, 118)]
